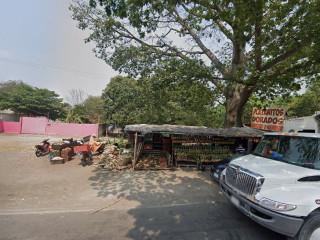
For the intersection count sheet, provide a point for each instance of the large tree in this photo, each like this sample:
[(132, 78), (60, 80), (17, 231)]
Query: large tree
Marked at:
[(159, 101), (93, 108), (25, 99), (241, 47), (119, 99)]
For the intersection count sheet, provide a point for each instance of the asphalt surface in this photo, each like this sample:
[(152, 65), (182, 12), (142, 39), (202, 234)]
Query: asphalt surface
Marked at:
[(43, 201), (185, 221)]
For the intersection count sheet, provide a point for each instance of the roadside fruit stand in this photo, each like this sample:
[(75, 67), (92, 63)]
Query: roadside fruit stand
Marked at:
[(186, 145)]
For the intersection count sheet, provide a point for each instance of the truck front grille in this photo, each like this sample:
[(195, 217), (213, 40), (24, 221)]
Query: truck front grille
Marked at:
[(243, 180)]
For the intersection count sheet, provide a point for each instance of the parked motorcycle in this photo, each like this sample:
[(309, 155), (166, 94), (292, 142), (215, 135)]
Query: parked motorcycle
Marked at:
[(42, 148)]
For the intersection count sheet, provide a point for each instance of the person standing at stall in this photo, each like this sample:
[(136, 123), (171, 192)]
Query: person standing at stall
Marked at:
[(240, 149)]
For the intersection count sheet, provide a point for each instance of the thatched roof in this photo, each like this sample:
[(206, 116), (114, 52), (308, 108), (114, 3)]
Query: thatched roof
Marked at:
[(193, 130)]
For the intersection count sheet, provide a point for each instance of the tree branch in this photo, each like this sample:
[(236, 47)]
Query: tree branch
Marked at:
[(295, 67), (222, 28), (207, 51), (255, 84), (175, 52), (257, 34), (217, 8), (280, 58)]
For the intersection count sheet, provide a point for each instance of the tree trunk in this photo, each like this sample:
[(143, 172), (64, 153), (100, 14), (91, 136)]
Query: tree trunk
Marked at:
[(236, 99)]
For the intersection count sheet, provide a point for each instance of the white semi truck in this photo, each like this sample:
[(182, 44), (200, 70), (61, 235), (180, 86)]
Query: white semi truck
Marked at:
[(309, 124), (278, 185)]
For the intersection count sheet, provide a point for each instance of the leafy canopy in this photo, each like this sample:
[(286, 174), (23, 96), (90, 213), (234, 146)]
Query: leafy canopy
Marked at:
[(119, 99), (128, 101), (240, 47), (25, 99)]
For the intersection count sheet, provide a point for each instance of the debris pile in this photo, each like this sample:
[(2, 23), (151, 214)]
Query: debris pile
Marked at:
[(95, 145), (111, 159)]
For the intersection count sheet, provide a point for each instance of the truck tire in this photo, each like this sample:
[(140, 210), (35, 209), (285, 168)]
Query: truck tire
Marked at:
[(310, 230)]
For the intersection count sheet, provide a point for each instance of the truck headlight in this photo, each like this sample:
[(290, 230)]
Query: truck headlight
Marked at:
[(273, 205)]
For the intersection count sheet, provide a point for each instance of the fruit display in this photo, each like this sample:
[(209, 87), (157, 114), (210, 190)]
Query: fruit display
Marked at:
[(192, 149)]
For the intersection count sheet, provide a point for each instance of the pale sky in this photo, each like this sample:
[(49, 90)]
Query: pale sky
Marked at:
[(41, 45)]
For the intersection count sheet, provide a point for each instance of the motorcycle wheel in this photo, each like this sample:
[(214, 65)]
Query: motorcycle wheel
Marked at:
[(83, 160), (38, 153)]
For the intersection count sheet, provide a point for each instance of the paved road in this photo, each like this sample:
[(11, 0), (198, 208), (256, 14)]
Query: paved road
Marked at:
[(180, 221)]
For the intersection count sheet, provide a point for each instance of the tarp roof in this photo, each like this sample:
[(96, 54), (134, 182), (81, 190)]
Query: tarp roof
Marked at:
[(194, 130)]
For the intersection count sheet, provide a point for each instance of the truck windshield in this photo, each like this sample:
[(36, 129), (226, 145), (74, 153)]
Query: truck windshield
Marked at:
[(301, 151)]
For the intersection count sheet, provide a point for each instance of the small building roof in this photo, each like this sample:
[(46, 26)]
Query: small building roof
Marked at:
[(194, 130)]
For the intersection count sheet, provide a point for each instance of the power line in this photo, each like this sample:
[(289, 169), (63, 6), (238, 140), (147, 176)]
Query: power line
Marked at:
[(43, 66)]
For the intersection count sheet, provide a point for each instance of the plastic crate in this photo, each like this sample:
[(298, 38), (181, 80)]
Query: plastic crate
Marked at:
[(83, 148)]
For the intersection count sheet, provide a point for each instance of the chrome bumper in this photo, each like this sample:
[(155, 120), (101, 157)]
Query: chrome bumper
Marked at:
[(282, 224)]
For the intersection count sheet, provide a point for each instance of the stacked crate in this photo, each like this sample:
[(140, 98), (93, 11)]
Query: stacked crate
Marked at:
[(66, 154), (56, 148)]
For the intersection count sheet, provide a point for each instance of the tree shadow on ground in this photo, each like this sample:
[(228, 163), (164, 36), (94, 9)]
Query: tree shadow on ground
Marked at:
[(182, 204)]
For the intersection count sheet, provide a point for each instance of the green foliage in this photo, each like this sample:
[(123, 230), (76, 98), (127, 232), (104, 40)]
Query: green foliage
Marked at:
[(296, 105), (76, 115), (25, 99), (90, 111), (306, 104), (121, 143), (119, 99), (239, 48), (149, 101), (93, 109)]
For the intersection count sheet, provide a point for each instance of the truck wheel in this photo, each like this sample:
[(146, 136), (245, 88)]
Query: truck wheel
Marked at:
[(310, 230)]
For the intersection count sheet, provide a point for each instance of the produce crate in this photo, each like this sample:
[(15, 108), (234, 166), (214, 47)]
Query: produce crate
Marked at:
[(66, 154), (83, 148), (59, 146)]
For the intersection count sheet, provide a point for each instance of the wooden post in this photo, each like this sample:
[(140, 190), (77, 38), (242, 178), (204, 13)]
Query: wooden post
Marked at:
[(135, 150), (250, 148)]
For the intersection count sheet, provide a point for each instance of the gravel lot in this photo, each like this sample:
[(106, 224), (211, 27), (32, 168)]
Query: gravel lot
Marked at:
[(91, 203)]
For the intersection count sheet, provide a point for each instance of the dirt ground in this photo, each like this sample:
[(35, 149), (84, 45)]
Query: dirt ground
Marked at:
[(28, 182), (39, 200)]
